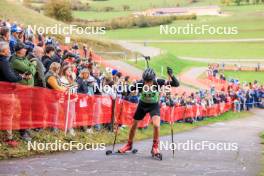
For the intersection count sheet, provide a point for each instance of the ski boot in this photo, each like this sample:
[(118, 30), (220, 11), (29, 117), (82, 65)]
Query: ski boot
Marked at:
[(155, 150), (125, 148)]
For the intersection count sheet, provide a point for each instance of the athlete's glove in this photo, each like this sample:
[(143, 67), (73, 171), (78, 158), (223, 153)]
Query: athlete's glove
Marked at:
[(170, 71)]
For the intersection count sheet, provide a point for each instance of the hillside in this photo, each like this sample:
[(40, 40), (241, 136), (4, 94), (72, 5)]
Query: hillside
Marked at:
[(16, 12)]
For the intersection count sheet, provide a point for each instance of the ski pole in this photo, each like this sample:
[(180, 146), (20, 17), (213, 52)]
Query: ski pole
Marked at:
[(109, 152), (117, 126), (172, 133), (171, 125)]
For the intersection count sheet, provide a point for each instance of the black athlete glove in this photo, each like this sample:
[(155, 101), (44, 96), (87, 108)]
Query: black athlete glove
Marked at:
[(170, 71)]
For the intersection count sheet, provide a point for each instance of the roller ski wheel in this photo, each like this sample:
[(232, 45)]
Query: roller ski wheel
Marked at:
[(110, 152), (157, 156)]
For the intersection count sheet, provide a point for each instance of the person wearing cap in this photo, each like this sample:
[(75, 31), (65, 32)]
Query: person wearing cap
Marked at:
[(15, 30), (29, 42), (22, 65)]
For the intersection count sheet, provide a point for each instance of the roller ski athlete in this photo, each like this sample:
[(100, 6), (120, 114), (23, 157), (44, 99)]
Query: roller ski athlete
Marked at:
[(149, 91)]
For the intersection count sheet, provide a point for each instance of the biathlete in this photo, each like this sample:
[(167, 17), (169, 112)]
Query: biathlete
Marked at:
[(149, 91)]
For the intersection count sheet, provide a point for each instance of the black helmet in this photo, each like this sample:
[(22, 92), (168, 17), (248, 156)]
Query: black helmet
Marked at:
[(149, 75)]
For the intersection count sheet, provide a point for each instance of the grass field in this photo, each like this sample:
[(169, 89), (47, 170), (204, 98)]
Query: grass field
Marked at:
[(246, 76), (46, 136), (165, 60), (247, 20), (92, 15), (145, 4), (254, 50)]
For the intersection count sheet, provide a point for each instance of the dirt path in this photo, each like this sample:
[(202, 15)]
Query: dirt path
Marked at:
[(242, 162), (137, 73), (191, 77), (140, 48)]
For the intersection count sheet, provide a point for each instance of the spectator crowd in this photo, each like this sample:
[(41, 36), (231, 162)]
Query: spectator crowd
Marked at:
[(245, 95)]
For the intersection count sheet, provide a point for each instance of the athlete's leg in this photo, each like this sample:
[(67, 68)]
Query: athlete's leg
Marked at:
[(156, 130), (132, 131), (156, 127)]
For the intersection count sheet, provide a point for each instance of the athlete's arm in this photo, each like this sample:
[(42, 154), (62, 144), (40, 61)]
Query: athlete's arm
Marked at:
[(173, 80)]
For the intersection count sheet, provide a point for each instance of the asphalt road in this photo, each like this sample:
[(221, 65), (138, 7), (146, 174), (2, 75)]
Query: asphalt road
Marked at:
[(242, 162)]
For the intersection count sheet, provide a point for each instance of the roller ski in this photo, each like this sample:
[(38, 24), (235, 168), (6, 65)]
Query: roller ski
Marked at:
[(155, 151), (124, 150)]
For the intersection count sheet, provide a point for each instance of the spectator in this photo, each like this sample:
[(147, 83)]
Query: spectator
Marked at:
[(47, 58), (14, 39), (86, 83), (52, 79), (8, 97), (67, 78), (58, 56), (39, 79), (49, 41), (6, 71), (85, 51), (98, 79), (22, 65), (4, 34), (29, 43)]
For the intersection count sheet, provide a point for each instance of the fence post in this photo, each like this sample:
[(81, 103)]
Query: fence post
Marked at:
[(67, 112)]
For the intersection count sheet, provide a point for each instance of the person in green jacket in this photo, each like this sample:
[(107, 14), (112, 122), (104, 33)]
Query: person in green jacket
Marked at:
[(22, 65)]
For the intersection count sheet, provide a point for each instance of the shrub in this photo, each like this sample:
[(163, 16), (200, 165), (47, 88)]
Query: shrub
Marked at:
[(131, 21), (78, 5), (59, 9), (126, 7), (108, 9)]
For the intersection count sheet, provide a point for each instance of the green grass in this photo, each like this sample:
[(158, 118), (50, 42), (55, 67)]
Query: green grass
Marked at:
[(93, 15), (253, 50), (46, 136), (247, 19), (137, 5), (247, 76), (145, 4), (165, 60), (247, 28)]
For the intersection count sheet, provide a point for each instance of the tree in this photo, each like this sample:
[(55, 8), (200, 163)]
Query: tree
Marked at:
[(226, 2), (59, 9), (126, 7), (237, 2)]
